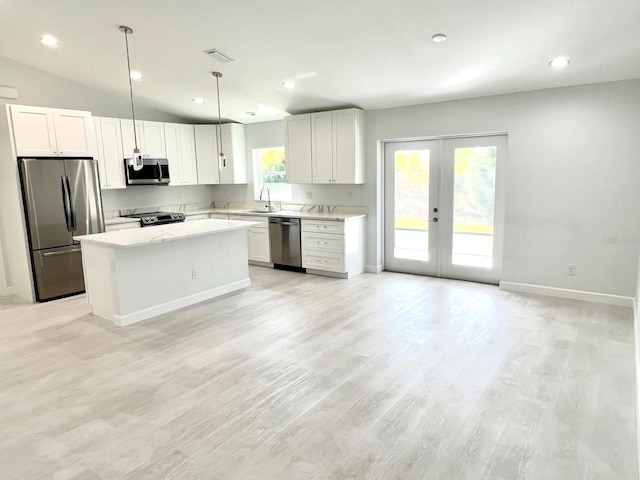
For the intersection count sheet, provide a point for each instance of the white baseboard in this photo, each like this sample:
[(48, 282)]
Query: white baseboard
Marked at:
[(129, 318), (567, 293), (5, 291), (636, 342), (373, 268)]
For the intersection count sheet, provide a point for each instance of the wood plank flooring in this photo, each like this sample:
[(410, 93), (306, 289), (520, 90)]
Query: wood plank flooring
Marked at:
[(385, 376)]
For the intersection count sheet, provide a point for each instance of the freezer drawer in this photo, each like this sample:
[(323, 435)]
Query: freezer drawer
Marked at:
[(58, 272)]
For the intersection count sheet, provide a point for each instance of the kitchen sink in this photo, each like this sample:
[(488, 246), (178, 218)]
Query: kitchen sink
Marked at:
[(258, 211)]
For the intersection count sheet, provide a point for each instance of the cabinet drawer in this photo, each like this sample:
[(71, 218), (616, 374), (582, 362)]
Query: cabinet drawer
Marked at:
[(197, 216), (122, 226), (322, 226), (323, 242), (324, 261), (264, 221)]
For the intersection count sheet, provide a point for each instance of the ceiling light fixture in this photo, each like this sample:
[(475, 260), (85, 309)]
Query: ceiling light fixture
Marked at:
[(289, 85), (559, 63), (136, 75), (218, 55), (439, 37), (250, 114), (136, 162), (49, 40), (198, 100), (222, 160)]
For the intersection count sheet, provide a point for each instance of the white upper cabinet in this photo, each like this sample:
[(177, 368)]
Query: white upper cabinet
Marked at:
[(338, 146), (206, 154), (128, 139), (51, 132), (233, 146), (150, 138), (181, 153), (207, 149), (297, 146), (109, 152), (322, 147), (154, 143)]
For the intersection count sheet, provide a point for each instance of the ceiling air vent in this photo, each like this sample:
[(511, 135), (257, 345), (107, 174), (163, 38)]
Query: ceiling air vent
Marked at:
[(218, 55)]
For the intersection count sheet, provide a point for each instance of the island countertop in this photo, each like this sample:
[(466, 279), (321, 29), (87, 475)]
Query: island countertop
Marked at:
[(163, 233)]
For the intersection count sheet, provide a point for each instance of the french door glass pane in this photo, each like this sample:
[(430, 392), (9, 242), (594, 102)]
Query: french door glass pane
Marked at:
[(473, 206), (411, 229)]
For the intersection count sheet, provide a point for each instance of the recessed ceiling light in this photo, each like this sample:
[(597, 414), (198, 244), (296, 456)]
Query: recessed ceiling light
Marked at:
[(136, 75), (289, 85), (198, 100), (439, 37), (49, 40), (559, 63)]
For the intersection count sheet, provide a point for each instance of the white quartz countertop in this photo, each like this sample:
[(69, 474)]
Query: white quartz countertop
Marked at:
[(337, 217), (163, 233)]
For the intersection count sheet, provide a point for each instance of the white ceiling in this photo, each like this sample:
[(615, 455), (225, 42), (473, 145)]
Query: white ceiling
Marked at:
[(370, 54)]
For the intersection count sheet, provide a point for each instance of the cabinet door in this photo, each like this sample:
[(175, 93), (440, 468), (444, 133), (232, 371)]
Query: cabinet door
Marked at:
[(322, 147), (128, 140), (172, 142), (188, 155), (259, 249), (348, 146), (33, 131), (154, 145), (206, 154), (112, 154), (74, 133), (233, 146), (297, 144), (97, 149)]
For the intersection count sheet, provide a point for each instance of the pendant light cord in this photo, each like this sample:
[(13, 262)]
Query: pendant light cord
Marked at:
[(133, 113), (219, 118)]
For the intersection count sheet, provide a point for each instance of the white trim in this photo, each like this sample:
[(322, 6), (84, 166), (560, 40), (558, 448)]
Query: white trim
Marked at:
[(5, 291), (128, 319), (636, 344), (373, 268), (567, 293)]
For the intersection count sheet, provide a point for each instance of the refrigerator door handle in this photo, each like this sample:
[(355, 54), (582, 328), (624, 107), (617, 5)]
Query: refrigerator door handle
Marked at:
[(72, 212), (57, 254), (65, 202)]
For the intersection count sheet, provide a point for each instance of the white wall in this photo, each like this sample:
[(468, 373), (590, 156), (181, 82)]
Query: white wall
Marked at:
[(42, 89), (572, 192)]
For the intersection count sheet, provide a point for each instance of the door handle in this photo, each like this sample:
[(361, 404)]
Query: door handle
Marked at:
[(159, 171), (65, 252), (72, 212), (65, 203)]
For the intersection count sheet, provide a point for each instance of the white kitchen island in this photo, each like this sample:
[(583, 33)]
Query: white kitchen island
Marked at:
[(132, 275)]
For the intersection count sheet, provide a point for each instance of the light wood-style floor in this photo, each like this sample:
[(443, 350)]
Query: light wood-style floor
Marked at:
[(384, 376)]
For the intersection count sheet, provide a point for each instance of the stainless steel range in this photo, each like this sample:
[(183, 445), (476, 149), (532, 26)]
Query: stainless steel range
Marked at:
[(157, 218)]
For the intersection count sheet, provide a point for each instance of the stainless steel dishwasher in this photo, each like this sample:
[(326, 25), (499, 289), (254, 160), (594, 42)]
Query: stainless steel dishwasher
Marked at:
[(284, 239)]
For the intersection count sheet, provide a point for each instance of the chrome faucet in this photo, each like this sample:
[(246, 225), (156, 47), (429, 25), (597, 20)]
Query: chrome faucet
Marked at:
[(269, 206)]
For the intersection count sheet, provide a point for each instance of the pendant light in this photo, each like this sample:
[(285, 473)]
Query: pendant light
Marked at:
[(222, 160), (137, 158)]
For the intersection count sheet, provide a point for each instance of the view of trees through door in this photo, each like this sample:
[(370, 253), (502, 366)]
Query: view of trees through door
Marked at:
[(443, 214)]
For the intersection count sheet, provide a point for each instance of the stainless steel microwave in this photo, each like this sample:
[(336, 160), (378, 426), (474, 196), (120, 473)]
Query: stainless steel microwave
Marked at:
[(154, 171)]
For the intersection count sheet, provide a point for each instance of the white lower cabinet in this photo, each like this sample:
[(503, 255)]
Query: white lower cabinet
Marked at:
[(259, 246), (335, 247)]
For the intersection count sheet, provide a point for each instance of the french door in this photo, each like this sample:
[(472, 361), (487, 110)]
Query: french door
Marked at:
[(444, 207)]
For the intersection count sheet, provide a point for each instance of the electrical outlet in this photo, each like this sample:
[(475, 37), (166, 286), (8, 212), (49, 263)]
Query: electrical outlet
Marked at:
[(571, 269), (194, 274)]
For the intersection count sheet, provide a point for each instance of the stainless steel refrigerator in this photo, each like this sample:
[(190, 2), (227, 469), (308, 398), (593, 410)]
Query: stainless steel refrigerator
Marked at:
[(61, 200)]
